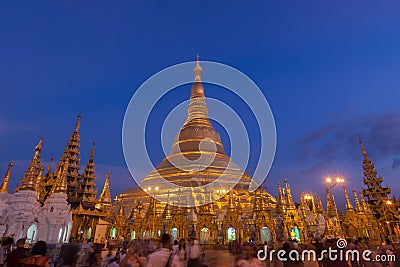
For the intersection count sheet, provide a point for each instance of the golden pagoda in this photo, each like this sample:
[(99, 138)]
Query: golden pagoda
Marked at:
[(197, 190)]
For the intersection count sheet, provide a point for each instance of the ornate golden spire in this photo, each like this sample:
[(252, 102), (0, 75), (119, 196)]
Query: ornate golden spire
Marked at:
[(197, 70), (4, 184), (280, 203), (121, 219), (364, 203), (105, 196), (319, 208), (358, 206), (60, 185), (349, 206), (28, 182), (39, 181), (231, 201), (289, 197), (49, 167), (362, 147), (88, 178), (78, 123)]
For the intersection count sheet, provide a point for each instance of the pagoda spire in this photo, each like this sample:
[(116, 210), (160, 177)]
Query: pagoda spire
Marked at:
[(71, 152), (49, 167), (288, 195), (280, 205), (375, 193), (39, 181), (231, 201), (88, 178), (105, 196), (364, 203), (78, 123), (319, 208), (349, 206), (197, 70), (89, 170), (358, 206), (4, 184), (329, 204), (197, 105), (121, 219), (60, 184), (28, 182)]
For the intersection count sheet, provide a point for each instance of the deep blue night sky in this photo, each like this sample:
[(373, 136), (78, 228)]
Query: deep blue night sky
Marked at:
[(328, 70)]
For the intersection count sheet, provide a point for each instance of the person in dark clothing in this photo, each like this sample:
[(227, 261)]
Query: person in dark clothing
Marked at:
[(319, 247), (69, 254), (18, 255)]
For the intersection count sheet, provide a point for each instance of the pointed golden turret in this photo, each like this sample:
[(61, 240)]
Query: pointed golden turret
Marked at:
[(4, 184), (358, 206), (105, 196), (288, 195), (319, 207), (28, 182), (197, 70), (49, 167), (364, 203), (60, 185), (231, 201), (121, 219), (39, 181), (280, 205), (78, 123), (349, 206)]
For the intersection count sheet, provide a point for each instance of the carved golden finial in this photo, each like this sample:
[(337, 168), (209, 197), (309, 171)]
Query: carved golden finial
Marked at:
[(78, 123), (39, 146), (28, 182), (4, 184), (60, 185), (105, 196), (358, 206), (231, 202), (197, 69), (49, 167), (349, 206), (362, 146)]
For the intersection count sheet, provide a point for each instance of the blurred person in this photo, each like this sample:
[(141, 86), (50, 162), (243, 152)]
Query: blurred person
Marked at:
[(132, 257), (94, 256), (248, 259), (319, 247), (194, 258), (288, 247), (337, 262), (114, 262), (69, 254), (180, 255), (38, 256), (163, 256), (18, 255), (4, 249)]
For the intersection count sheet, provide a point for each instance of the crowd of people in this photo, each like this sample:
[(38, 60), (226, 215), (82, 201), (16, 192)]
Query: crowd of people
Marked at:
[(189, 253), (137, 253)]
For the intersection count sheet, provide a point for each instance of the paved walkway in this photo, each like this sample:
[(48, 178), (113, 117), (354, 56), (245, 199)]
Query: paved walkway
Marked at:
[(221, 258)]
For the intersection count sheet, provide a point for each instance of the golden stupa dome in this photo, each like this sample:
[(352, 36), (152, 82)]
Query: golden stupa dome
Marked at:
[(197, 157)]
